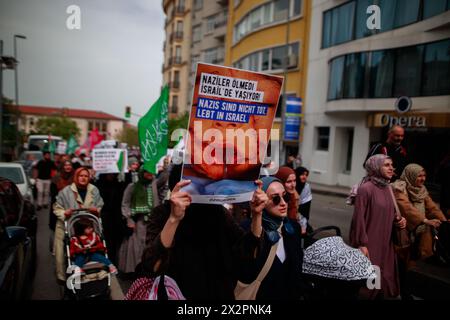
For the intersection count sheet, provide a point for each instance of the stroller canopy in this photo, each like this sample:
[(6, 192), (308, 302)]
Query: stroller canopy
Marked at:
[(331, 258)]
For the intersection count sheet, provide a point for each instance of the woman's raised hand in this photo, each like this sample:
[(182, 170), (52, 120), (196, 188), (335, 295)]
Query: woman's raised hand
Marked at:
[(259, 199), (179, 200)]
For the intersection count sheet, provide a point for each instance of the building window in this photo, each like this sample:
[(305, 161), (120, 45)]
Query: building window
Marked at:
[(421, 70), (198, 4), (408, 71), (348, 161), (195, 60), (436, 69), (348, 21), (174, 107), (197, 33), (434, 7), (381, 74), (90, 125), (323, 138), (335, 85), (104, 126), (354, 72), (31, 121), (210, 55), (273, 11), (272, 59), (211, 23)]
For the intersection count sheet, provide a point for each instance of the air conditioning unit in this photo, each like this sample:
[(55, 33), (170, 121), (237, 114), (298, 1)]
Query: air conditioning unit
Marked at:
[(292, 61)]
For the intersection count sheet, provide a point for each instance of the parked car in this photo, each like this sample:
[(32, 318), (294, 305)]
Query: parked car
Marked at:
[(28, 159), (16, 173), (18, 225)]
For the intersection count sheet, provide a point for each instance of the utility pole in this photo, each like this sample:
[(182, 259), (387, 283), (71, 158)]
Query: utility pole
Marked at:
[(17, 90), (283, 104)]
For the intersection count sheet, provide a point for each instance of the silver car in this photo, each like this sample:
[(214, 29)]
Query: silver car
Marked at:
[(16, 173)]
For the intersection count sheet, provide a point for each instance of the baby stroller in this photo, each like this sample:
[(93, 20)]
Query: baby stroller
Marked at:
[(333, 270), (95, 282)]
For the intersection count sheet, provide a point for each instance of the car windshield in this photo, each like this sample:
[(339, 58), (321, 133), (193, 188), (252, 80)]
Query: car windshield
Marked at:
[(13, 174)]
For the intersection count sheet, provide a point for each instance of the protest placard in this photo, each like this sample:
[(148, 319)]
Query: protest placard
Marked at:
[(229, 128), (109, 160)]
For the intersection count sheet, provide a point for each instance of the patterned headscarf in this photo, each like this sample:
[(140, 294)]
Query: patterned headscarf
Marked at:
[(373, 167), (407, 182)]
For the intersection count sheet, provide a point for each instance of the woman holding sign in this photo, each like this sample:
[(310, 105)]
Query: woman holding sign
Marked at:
[(276, 241)]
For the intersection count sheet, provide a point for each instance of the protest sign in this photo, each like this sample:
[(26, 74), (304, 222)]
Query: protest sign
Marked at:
[(109, 160), (61, 148), (229, 128)]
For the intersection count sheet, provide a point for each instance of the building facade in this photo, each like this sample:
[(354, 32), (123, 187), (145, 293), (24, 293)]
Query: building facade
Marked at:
[(108, 125), (271, 37), (195, 32), (356, 74), (177, 53)]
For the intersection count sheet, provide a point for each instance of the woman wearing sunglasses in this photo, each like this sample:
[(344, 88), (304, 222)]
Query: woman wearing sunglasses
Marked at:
[(270, 227)]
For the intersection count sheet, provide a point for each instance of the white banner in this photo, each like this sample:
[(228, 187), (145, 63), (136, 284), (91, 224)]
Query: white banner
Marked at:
[(110, 160), (62, 146)]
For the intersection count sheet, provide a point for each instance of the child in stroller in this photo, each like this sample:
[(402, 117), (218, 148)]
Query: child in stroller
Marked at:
[(88, 264), (86, 246)]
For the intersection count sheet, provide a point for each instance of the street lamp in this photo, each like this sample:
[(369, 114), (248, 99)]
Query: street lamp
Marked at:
[(16, 36)]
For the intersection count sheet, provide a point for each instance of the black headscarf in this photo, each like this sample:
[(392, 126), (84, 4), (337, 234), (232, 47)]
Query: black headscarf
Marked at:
[(299, 185)]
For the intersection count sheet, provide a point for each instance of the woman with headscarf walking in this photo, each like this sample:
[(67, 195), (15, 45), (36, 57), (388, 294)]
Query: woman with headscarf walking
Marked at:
[(80, 194), (373, 222), (416, 205), (138, 202), (304, 190), (277, 238), (287, 176)]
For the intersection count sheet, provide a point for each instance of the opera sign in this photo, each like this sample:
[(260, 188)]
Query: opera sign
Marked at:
[(389, 120)]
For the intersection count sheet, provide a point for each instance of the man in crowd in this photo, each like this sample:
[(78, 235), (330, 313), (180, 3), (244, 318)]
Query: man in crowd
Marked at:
[(43, 171)]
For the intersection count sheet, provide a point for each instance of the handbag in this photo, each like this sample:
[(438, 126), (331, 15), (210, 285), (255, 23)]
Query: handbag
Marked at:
[(245, 291), (400, 237)]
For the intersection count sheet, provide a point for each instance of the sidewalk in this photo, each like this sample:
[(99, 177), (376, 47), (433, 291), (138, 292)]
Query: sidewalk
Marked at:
[(338, 191)]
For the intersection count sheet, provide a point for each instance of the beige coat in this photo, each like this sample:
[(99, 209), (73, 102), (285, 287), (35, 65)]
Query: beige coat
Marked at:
[(414, 219), (69, 198)]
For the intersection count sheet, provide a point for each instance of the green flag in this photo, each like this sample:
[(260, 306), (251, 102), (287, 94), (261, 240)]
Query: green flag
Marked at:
[(153, 130), (72, 145)]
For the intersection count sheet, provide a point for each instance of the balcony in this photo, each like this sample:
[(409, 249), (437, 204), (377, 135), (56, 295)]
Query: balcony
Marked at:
[(174, 61), (174, 109), (177, 36), (174, 85), (179, 11), (220, 29)]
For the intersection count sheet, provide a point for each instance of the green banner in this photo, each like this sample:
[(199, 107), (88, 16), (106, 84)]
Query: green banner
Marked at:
[(72, 145), (153, 131)]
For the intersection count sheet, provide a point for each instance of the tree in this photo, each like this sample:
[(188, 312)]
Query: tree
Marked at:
[(129, 135), (57, 126), (181, 122)]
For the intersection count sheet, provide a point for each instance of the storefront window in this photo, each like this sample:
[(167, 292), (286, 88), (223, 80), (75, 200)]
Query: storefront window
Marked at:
[(326, 31), (409, 10), (408, 71), (335, 88), (434, 7), (354, 72), (381, 74), (361, 29), (436, 72), (323, 138)]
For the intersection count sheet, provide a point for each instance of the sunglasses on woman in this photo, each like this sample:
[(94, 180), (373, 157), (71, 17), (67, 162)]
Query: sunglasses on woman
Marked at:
[(276, 199)]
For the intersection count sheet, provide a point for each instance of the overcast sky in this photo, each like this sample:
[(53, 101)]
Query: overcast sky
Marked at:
[(113, 61)]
